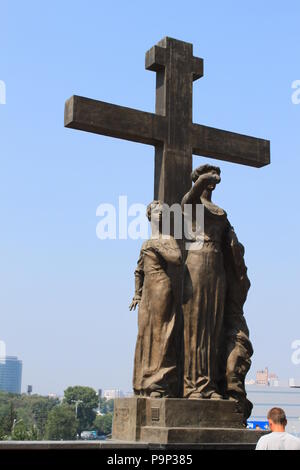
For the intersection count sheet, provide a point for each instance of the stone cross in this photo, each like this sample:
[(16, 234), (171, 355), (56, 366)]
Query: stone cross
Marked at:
[(170, 129)]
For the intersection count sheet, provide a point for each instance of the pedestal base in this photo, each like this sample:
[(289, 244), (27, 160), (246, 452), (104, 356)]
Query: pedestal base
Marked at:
[(179, 420)]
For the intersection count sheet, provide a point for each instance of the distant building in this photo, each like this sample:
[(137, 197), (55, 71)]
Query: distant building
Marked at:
[(262, 377), (53, 395), (113, 393), (273, 380), (10, 374), (294, 383), (249, 382)]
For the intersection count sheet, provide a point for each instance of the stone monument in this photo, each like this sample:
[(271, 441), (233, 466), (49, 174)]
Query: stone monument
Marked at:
[(193, 349)]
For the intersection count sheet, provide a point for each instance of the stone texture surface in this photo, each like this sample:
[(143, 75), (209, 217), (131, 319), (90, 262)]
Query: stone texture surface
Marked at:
[(199, 435), (171, 420)]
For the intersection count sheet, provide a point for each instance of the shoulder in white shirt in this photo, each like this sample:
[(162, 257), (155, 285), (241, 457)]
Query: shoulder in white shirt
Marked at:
[(278, 441)]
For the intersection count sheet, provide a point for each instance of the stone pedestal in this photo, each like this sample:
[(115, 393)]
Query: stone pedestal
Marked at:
[(178, 420)]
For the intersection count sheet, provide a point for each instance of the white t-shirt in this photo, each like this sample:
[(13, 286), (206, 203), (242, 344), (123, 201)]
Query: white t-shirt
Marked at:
[(278, 441)]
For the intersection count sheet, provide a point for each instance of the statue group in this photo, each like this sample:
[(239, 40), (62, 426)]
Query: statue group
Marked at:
[(193, 340)]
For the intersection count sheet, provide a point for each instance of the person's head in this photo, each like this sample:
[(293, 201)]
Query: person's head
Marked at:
[(154, 214), (201, 170), (277, 419), (154, 210)]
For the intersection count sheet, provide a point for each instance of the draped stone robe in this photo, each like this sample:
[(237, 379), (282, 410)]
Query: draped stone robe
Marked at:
[(156, 354), (204, 294)]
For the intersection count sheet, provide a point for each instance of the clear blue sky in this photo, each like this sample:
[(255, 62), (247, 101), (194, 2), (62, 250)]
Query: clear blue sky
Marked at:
[(64, 293)]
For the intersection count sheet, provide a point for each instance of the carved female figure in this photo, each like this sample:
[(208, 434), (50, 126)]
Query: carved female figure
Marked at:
[(204, 291), (155, 363), (215, 286)]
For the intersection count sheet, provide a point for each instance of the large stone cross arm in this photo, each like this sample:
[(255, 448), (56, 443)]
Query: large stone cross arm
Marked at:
[(138, 126), (114, 121), (230, 146)]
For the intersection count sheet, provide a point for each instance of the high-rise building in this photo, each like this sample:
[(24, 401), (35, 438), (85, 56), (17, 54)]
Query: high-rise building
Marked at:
[(10, 374)]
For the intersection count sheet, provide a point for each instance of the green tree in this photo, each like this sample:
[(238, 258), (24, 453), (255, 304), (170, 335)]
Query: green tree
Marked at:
[(3, 436), (7, 419), (21, 433), (40, 410), (85, 400), (106, 406), (61, 423), (103, 424)]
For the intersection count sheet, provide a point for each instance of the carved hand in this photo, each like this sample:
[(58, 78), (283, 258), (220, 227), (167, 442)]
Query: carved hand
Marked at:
[(134, 303), (209, 178)]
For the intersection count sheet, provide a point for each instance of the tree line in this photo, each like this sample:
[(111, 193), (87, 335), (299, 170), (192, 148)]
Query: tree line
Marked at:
[(36, 417)]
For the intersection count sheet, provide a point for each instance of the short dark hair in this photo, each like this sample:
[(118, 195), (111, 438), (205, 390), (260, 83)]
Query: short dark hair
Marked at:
[(277, 415), (204, 169)]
